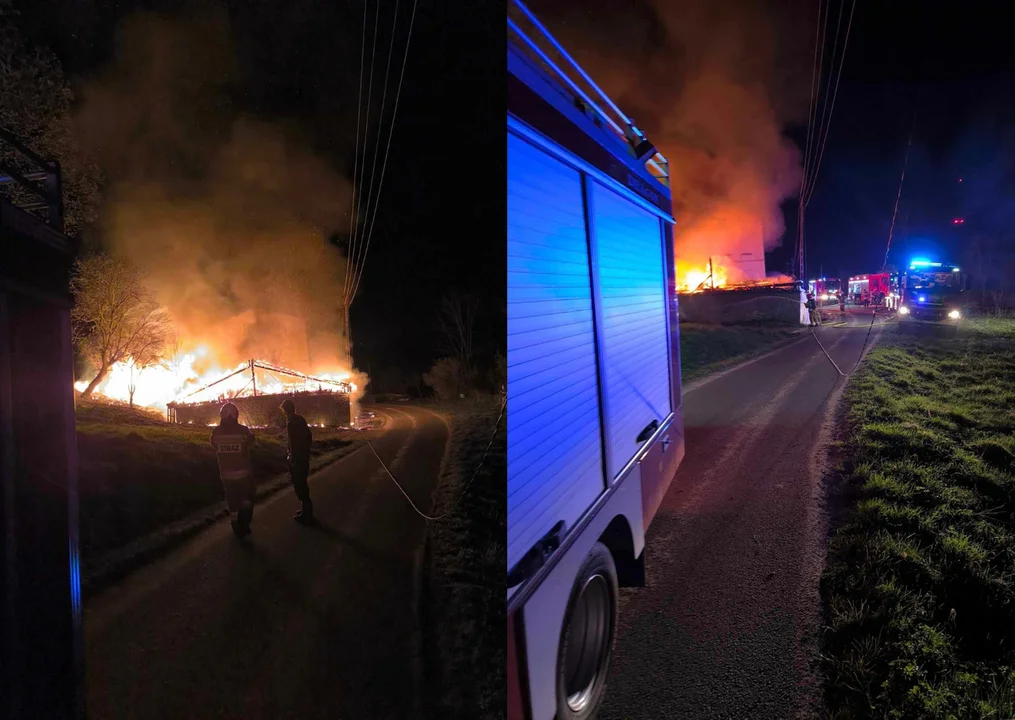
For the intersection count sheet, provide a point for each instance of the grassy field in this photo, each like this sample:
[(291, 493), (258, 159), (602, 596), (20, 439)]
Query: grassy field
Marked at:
[(138, 473), (707, 348), (464, 615), (920, 583)]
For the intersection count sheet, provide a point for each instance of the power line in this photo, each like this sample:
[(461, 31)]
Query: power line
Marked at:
[(820, 30), (391, 130), (898, 197), (835, 92), (355, 161), (380, 121), (816, 71), (828, 91), (358, 236), (884, 266)]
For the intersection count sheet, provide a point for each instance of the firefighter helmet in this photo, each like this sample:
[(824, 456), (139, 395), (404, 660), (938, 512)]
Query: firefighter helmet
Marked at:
[(288, 406), (229, 411)]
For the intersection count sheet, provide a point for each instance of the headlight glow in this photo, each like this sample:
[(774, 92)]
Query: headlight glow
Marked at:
[(954, 314), (903, 310)]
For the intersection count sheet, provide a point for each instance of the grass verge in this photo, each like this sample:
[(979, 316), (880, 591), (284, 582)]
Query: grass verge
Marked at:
[(463, 612), (139, 476), (919, 588), (705, 349)]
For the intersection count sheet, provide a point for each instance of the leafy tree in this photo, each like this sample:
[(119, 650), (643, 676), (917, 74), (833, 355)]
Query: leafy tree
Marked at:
[(36, 106), (116, 318)]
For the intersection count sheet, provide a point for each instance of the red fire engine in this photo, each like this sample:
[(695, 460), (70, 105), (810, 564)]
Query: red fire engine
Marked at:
[(873, 287)]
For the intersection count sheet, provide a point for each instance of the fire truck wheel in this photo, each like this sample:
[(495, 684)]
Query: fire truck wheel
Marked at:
[(586, 643)]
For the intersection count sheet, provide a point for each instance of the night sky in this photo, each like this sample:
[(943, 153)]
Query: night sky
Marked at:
[(439, 226), (950, 63)]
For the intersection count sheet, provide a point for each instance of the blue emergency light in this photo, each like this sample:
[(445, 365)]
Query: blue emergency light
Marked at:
[(923, 263)]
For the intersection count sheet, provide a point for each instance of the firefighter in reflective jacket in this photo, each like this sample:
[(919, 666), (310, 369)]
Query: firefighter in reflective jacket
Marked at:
[(232, 443)]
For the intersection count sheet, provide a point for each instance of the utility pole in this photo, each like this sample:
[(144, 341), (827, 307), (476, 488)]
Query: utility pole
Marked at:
[(253, 376), (800, 241)]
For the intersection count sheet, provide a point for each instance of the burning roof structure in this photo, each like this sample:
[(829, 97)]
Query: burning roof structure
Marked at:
[(324, 401)]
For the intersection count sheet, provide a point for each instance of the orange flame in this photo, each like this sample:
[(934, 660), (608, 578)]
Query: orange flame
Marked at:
[(177, 379), (696, 279)]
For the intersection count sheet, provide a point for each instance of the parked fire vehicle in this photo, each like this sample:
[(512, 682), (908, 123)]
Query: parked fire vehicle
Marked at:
[(595, 423), (825, 290), (870, 289), (933, 292)]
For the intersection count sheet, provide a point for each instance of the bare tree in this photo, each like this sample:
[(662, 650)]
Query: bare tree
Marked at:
[(450, 378), (149, 352), (116, 318), (174, 353), (457, 321)]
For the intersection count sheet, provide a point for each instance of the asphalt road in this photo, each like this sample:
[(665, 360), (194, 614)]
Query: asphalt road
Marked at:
[(726, 626), (291, 622)]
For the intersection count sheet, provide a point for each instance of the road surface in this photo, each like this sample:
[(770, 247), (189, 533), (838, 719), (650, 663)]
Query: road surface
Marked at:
[(725, 626), (292, 622)]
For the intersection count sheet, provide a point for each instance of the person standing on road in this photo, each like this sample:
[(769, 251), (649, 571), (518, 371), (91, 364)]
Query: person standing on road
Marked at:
[(232, 442), (812, 310), (299, 441), (842, 304)]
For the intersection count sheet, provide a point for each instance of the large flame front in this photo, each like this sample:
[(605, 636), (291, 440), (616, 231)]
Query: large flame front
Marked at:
[(696, 279), (178, 380)]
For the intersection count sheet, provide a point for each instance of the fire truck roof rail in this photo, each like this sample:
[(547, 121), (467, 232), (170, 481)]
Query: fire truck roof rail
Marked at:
[(537, 41)]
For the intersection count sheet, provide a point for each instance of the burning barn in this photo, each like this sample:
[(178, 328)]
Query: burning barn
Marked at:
[(324, 402), (771, 302)]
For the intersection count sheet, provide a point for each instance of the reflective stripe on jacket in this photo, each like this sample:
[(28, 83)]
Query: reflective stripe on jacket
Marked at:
[(232, 443)]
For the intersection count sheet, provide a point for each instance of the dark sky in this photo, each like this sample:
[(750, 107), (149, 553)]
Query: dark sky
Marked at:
[(299, 60), (951, 59), (950, 63)]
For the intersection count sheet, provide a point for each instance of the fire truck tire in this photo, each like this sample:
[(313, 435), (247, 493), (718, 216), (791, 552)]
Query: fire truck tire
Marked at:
[(586, 642)]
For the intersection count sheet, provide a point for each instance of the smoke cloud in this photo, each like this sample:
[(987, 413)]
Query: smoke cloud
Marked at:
[(714, 85), (228, 215)]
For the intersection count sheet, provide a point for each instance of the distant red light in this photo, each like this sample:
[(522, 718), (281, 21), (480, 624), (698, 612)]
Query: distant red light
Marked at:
[(958, 221), (960, 179)]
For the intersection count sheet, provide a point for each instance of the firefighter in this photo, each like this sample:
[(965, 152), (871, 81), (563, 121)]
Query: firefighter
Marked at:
[(299, 441), (812, 310), (842, 304), (232, 443)]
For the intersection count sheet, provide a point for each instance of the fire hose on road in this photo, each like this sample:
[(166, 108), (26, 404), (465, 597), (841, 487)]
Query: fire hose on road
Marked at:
[(482, 460)]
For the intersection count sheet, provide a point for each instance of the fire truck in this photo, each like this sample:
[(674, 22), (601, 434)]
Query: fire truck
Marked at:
[(933, 292), (825, 289), (873, 288), (595, 422)]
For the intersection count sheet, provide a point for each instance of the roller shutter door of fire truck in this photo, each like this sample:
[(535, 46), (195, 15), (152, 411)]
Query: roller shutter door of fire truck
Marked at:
[(554, 447), (634, 337)]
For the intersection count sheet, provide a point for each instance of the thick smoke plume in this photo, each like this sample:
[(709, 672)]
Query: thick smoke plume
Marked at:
[(714, 85), (229, 216)]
